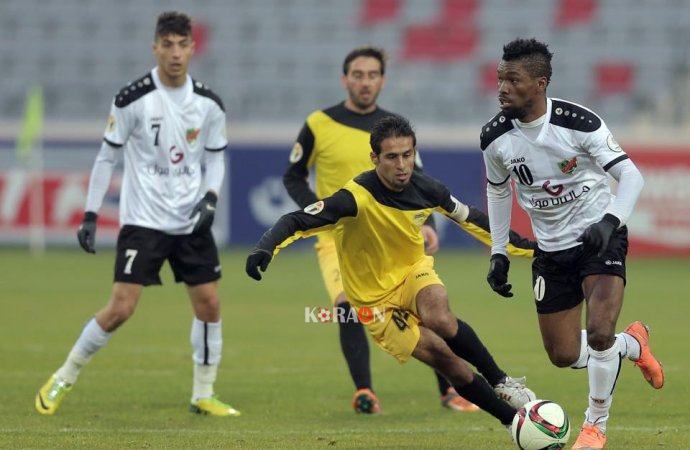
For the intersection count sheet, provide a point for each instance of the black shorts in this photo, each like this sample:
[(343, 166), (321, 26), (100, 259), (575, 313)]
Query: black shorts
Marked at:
[(557, 276), (141, 253)]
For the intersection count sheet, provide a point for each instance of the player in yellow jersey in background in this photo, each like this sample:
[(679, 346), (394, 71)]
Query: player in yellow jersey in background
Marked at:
[(335, 142), (375, 221)]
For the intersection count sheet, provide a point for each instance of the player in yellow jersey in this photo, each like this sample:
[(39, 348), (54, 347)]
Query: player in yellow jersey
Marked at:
[(375, 221), (335, 142)]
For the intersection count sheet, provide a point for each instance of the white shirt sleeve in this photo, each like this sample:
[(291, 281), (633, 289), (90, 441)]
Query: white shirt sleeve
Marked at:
[(499, 201), (100, 177), (499, 197), (215, 171), (603, 147), (216, 134), (121, 123), (630, 183)]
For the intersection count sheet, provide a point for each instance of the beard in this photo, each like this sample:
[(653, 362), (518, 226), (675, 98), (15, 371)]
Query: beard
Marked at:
[(515, 113)]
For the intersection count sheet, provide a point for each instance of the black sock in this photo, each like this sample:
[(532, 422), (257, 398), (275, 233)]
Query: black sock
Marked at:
[(466, 344), (480, 393), (353, 342), (443, 384)]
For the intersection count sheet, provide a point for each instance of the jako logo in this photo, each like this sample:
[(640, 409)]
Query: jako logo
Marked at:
[(339, 314)]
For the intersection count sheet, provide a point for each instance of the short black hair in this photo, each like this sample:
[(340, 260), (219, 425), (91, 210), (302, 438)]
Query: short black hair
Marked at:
[(390, 126), (534, 54), (372, 52), (173, 22)]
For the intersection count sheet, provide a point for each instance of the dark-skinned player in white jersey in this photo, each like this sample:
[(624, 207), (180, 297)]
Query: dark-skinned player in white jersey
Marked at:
[(558, 154)]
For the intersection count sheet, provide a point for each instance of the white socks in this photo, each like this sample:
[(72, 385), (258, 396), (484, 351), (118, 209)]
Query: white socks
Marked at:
[(603, 369), (207, 345), (92, 339), (628, 348), (206, 339)]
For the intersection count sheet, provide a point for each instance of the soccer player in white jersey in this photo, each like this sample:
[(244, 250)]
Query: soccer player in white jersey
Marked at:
[(558, 153), (166, 124)]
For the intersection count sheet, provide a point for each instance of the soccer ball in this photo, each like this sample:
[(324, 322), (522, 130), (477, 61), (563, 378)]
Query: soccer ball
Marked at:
[(541, 424)]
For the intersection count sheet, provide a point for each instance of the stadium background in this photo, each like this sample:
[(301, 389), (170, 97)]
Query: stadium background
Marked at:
[(274, 61)]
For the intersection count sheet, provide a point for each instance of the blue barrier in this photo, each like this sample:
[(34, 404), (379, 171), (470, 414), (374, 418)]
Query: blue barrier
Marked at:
[(258, 198)]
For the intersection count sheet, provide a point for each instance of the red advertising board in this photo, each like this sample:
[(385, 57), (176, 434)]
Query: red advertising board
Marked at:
[(660, 224), (64, 195)]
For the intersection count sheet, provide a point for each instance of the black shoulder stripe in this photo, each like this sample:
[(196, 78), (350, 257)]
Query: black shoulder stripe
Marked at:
[(493, 129), (134, 91), (614, 162), (203, 90), (572, 116)]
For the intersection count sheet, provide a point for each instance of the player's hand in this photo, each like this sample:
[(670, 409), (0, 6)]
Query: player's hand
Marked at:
[(86, 234), (597, 236), (206, 210), (258, 259), (430, 239), (498, 275)]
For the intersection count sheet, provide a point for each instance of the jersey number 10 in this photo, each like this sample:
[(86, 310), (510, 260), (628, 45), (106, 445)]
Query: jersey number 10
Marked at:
[(524, 175)]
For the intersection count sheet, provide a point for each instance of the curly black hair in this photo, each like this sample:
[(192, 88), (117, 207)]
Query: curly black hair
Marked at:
[(534, 54), (173, 22), (390, 126), (372, 52)]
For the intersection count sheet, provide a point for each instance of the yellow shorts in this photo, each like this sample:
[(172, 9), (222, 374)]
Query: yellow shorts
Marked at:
[(394, 322), (330, 267)]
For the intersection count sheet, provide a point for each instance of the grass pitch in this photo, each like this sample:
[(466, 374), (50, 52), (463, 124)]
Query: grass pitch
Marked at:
[(288, 377)]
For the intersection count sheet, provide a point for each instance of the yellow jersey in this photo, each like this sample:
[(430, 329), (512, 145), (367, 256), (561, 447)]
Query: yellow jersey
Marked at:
[(377, 231)]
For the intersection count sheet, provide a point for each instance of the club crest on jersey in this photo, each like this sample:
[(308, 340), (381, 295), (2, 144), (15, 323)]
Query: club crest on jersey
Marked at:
[(567, 166), (296, 153), (192, 134), (612, 144), (419, 219), (110, 126), (314, 208)]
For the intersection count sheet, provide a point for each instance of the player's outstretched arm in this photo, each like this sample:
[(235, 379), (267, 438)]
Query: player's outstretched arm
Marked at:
[(315, 218), (476, 223), (478, 226)]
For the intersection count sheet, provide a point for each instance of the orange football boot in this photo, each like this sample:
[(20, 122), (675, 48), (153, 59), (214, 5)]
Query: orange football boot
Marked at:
[(456, 402), (651, 368), (590, 438)]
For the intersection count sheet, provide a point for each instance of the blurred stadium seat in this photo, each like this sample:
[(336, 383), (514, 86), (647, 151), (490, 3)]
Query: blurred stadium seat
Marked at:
[(273, 60)]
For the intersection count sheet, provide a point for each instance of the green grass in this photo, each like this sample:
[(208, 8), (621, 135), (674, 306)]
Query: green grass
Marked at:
[(288, 377)]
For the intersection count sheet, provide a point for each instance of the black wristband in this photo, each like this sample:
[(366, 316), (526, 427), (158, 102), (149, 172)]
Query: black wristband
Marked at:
[(211, 197), (90, 216), (613, 220)]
